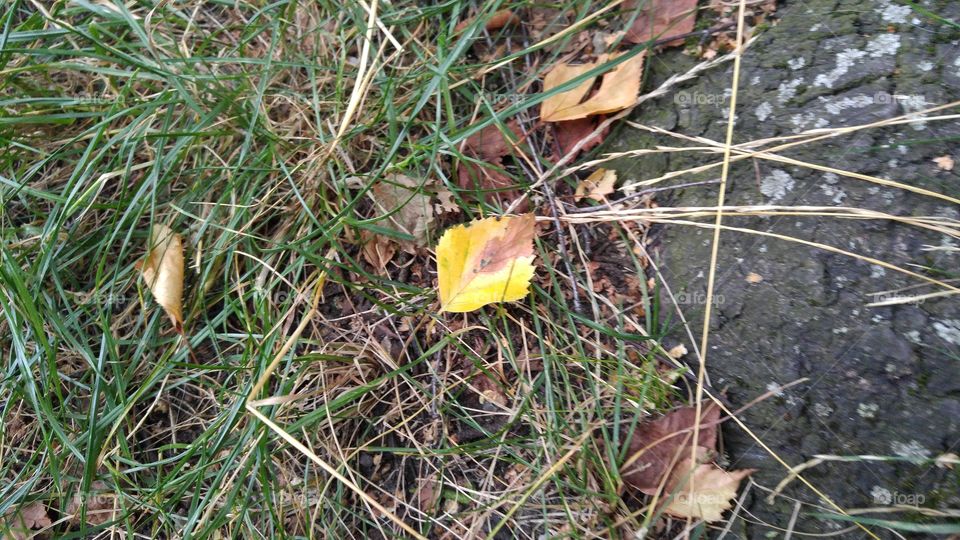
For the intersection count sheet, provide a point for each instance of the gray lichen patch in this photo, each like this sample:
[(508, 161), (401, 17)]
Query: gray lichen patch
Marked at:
[(777, 184)]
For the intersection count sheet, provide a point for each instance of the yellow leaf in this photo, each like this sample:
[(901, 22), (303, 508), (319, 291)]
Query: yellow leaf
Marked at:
[(618, 90), (596, 186), (489, 260), (557, 104), (162, 269), (705, 494), (944, 162)]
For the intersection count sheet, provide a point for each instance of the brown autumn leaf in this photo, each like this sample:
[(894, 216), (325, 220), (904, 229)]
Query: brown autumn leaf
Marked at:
[(657, 445), (445, 203), (660, 19), (554, 106), (490, 391), (705, 494), (162, 270), (407, 211), (571, 132), (498, 20), (618, 90), (25, 522), (101, 503), (488, 146), (428, 494), (377, 250), (597, 186)]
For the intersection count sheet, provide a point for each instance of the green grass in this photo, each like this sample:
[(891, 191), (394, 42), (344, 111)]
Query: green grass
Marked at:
[(221, 121)]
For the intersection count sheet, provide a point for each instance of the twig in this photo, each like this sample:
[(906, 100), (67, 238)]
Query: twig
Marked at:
[(611, 204)]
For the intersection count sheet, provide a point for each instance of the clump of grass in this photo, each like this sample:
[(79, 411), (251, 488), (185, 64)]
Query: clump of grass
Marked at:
[(255, 131)]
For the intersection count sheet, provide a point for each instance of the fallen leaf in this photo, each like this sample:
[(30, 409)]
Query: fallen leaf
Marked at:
[(446, 204), (678, 351), (428, 494), (944, 162), (489, 146), (489, 260), (25, 522), (571, 132), (754, 277), (407, 211), (378, 250), (552, 108), (489, 143), (705, 494), (596, 186), (101, 505), (490, 391), (498, 20), (656, 445), (947, 461), (660, 20), (162, 269), (618, 90)]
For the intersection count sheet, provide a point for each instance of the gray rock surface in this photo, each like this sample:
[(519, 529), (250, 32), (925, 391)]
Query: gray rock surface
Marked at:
[(883, 381)]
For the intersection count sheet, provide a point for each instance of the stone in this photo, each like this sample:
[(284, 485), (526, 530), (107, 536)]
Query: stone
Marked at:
[(882, 381)]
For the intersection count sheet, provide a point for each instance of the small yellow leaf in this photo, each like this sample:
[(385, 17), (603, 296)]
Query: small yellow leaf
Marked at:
[(678, 351), (162, 269), (944, 162), (705, 494), (596, 186), (489, 260), (618, 90)]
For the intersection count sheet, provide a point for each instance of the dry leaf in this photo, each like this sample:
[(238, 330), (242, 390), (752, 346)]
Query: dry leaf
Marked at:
[(489, 260), (407, 211), (378, 250), (944, 162), (571, 132), (101, 505), (656, 445), (162, 270), (705, 494), (428, 494), (660, 19), (618, 90), (446, 204), (597, 186), (490, 391), (554, 106), (496, 21), (947, 461), (488, 145), (754, 277), (25, 522)]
